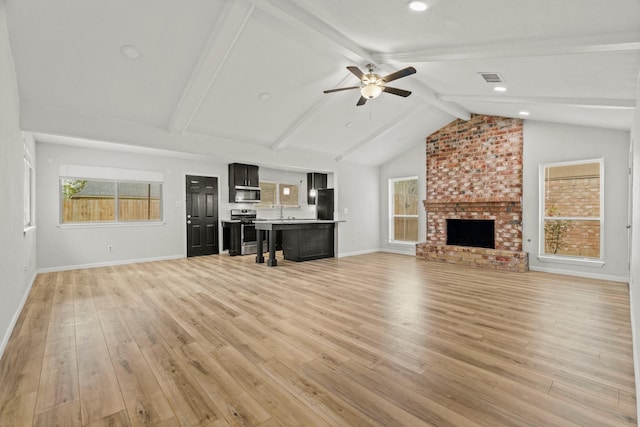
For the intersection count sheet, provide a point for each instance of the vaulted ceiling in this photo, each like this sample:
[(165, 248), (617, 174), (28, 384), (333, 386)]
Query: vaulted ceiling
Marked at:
[(254, 71)]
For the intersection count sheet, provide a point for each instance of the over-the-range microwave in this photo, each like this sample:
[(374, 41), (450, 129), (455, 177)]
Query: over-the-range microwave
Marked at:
[(246, 194)]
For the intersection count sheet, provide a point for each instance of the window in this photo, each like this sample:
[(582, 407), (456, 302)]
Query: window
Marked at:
[(268, 194), (289, 195), (274, 194), (403, 204), (95, 201), (28, 188), (93, 195), (572, 210), (138, 201)]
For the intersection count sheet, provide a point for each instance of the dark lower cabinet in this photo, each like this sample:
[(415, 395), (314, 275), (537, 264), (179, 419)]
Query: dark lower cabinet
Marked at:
[(231, 238), (313, 241)]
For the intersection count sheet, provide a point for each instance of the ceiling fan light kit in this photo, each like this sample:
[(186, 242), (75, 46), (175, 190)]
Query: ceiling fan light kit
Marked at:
[(371, 91), (418, 6), (372, 85)]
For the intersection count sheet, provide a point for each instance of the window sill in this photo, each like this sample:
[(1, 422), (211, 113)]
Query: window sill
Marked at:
[(587, 262), (111, 225), (402, 242), (28, 230)]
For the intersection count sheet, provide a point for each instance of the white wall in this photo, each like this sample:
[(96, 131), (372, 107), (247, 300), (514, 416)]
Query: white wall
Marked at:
[(550, 142), (634, 282), (60, 247), (410, 163), (17, 250), (84, 246), (358, 202)]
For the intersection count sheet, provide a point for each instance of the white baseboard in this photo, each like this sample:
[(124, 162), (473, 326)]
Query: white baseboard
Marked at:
[(624, 279), (348, 254), (16, 315), (108, 264)]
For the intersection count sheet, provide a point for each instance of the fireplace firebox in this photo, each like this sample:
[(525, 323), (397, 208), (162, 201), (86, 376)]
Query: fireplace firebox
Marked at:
[(479, 233)]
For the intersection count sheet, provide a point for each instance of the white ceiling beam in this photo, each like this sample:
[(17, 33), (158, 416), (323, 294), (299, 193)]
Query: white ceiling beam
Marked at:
[(312, 21), (612, 104), (610, 42), (387, 127), (282, 141), (221, 42)]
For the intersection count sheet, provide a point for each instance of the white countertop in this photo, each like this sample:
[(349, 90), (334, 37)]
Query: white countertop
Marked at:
[(297, 221)]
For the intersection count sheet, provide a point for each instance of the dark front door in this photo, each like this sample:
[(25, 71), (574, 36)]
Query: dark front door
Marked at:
[(202, 215)]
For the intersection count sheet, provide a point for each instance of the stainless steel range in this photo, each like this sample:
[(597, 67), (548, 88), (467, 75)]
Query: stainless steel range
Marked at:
[(248, 235)]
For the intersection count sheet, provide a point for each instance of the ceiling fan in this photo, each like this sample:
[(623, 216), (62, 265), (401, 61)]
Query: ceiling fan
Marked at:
[(372, 85)]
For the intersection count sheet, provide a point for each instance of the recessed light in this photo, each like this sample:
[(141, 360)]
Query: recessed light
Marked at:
[(264, 96), (417, 6), (500, 89), (130, 52), (524, 113)]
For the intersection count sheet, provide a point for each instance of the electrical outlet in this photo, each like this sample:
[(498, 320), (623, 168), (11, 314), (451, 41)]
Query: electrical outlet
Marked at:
[(109, 248)]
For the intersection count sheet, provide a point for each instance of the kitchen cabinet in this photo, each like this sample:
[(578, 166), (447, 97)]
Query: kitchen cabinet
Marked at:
[(315, 181), (242, 175), (308, 242), (302, 240)]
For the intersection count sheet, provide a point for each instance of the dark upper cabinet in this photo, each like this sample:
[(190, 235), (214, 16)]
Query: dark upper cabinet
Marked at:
[(315, 181), (244, 176)]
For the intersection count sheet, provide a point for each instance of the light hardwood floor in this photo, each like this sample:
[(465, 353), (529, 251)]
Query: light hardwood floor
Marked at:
[(377, 339)]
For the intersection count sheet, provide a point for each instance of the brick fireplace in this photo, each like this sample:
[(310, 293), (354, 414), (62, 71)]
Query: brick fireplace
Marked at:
[(474, 172)]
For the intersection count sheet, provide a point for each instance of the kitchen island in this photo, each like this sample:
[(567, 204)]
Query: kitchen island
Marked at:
[(302, 239)]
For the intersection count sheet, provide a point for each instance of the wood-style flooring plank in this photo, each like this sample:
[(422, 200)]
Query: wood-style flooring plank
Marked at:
[(67, 415), (146, 403), (237, 406), (21, 365), (188, 400), (59, 380), (18, 411)]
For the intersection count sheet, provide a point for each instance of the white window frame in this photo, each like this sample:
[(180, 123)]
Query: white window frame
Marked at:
[(115, 175), (568, 259), (277, 201), (29, 190), (392, 215)]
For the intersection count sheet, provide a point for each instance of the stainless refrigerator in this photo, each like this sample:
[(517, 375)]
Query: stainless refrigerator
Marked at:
[(324, 204)]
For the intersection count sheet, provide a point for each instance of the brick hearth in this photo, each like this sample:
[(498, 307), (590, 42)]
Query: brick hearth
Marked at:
[(474, 171)]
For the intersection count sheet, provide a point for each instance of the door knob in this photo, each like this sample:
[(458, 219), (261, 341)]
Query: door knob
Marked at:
[(189, 222), (188, 216)]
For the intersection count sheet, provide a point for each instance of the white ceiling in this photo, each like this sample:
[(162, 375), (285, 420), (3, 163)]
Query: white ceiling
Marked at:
[(205, 63)]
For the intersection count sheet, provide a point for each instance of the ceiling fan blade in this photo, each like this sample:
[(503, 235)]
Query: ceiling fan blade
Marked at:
[(356, 72), (398, 74), (396, 91), (340, 89), (361, 101)]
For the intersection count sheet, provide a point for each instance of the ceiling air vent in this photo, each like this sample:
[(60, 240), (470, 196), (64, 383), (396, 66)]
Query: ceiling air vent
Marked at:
[(492, 77)]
